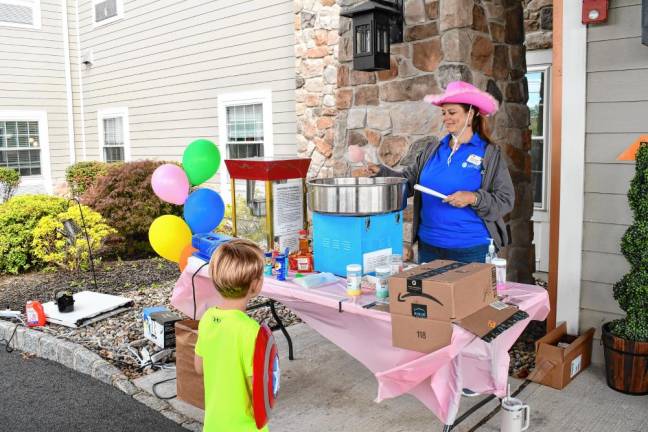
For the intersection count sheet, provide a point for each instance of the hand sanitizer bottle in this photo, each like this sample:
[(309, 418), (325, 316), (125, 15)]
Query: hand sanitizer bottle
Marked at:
[(491, 252)]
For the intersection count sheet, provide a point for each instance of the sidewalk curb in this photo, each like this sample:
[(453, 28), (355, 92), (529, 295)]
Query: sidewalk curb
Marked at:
[(81, 359)]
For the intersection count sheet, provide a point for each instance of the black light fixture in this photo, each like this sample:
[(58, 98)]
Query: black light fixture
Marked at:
[(376, 24)]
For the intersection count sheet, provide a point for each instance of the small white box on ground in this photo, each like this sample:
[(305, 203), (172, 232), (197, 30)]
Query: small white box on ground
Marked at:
[(159, 325)]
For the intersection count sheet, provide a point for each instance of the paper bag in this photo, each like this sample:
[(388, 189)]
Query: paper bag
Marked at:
[(189, 383)]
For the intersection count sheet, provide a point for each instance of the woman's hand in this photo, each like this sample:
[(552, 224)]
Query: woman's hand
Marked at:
[(368, 170), (461, 199)]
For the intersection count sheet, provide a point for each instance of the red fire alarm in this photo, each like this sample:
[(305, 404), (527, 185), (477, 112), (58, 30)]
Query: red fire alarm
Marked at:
[(595, 11)]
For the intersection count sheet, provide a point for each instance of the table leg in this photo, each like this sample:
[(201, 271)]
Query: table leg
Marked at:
[(283, 329)]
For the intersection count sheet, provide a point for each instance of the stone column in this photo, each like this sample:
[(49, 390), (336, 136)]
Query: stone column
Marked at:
[(478, 41), (316, 42)]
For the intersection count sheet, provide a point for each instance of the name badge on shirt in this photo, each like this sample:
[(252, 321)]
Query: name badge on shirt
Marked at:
[(473, 161)]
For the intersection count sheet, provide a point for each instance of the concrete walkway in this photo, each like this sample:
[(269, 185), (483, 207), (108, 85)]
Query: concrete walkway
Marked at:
[(326, 390)]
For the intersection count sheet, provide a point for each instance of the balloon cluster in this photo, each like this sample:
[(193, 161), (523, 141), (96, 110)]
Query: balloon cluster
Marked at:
[(203, 210)]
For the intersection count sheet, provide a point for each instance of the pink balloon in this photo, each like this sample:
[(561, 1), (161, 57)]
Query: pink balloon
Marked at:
[(170, 184), (356, 154)]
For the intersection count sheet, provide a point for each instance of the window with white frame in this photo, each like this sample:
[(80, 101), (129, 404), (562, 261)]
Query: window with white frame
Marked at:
[(244, 131), (107, 11), (20, 13), (114, 135), (20, 146), (538, 81)]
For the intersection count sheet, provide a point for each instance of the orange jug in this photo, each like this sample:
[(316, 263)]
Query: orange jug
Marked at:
[(35, 314)]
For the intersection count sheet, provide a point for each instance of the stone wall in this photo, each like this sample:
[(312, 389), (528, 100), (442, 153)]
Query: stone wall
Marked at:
[(538, 23), (479, 41), (316, 51)]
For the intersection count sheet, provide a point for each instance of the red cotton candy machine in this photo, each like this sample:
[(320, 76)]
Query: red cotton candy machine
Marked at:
[(280, 198)]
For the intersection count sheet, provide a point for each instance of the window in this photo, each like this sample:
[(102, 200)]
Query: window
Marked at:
[(20, 13), (244, 131), (107, 11), (113, 135), (20, 147), (538, 78), (244, 128)]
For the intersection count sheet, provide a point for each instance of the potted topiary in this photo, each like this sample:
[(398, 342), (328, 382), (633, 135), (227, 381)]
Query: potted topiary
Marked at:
[(626, 340)]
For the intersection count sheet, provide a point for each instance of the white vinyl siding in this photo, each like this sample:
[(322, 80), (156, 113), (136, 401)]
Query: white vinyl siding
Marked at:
[(32, 80), (170, 61), (20, 13), (617, 102)]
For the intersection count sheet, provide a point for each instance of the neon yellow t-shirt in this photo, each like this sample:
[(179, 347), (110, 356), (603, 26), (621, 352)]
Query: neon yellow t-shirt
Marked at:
[(226, 340)]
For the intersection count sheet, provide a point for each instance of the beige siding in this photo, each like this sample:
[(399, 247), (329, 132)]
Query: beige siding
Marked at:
[(617, 102), (32, 78), (168, 61)]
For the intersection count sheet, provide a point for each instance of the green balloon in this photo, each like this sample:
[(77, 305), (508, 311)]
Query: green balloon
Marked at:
[(200, 161)]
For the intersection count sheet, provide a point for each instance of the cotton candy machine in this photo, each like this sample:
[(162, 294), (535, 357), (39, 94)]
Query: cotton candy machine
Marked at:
[(356, 221)]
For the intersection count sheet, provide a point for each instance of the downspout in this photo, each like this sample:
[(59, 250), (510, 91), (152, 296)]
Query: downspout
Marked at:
[(68, 82), (81, 95)]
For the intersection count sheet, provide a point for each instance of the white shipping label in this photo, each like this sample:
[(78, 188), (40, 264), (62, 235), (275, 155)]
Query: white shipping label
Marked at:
[(371, 260), (575, 366), (499, 305)]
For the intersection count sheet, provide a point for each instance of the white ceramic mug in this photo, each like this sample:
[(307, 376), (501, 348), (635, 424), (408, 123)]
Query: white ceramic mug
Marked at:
[(515, 415)]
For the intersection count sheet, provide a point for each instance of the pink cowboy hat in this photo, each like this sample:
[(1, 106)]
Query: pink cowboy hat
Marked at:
[(462, 92)]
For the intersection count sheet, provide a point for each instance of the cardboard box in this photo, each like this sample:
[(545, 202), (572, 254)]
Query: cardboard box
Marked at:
[(442, 290), (418, 334), (159, 326), (560, 357), (428, 335)]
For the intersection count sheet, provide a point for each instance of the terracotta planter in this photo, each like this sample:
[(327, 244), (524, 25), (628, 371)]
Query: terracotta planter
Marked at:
[(626, 363)]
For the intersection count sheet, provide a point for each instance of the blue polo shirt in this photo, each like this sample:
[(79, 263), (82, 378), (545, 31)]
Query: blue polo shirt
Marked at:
[(443, 225)]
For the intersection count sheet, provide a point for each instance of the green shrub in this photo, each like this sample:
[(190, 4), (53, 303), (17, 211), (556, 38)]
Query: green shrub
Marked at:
[(124, 197), (632, 290), (51, 246), (9, 181), (18, 217), (82, 175)]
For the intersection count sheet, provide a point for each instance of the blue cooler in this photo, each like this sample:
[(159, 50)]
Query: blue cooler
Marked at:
[(341, 240)]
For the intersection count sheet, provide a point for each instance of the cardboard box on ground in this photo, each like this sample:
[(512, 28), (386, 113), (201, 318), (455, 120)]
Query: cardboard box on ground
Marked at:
[(560, 357), (426, 300)]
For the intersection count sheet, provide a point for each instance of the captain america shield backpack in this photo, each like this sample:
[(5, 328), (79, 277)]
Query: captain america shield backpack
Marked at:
[(265, 376)]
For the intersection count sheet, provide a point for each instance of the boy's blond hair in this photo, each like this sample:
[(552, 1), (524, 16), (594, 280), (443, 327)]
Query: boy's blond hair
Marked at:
[(234, 266)]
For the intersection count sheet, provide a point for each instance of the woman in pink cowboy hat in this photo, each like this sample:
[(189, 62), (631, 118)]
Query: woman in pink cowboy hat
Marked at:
[(467, 167)]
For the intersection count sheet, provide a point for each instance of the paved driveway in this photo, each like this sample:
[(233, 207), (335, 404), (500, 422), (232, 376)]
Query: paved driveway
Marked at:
[(39, 395)]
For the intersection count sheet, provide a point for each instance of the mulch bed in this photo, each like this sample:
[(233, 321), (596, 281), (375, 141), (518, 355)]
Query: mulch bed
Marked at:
[(149, 282), (113, 277)]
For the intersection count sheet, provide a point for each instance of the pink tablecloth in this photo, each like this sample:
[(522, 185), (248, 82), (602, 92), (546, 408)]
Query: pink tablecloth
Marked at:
[(436, 379)]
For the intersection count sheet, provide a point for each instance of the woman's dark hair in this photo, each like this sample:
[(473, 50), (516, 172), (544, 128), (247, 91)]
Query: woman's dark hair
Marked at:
[(479, 124)]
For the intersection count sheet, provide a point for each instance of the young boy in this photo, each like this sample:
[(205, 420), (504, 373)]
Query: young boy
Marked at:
[(226, 338)]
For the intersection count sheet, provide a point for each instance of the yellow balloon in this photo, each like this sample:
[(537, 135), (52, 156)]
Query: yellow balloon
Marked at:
[(168, 235)]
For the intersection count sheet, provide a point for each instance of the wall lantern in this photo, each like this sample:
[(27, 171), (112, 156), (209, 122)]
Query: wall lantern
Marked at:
[(594, 11), (375, 25)]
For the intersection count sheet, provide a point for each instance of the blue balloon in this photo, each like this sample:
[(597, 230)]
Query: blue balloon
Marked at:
[(204, 210)]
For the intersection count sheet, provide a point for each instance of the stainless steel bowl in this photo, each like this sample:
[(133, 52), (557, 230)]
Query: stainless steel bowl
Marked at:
[(358, 196)]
